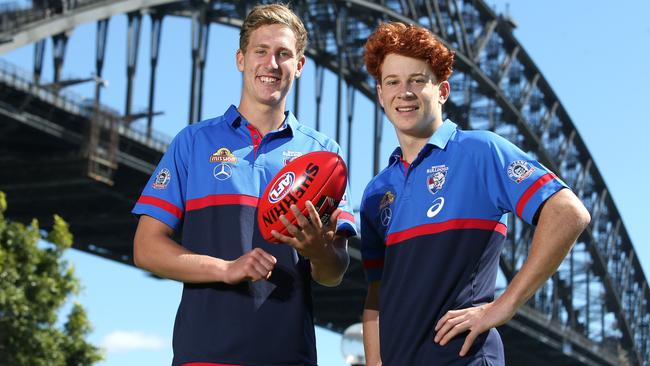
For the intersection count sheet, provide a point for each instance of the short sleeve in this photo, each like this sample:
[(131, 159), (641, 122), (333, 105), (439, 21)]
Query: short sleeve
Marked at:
[(372, 243), (346, 224), (163, 198), (515, 181)]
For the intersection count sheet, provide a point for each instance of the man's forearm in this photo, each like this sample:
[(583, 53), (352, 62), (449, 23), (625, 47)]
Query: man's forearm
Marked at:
[(561, 221), (371, 337), (164, 257), (328, 269)]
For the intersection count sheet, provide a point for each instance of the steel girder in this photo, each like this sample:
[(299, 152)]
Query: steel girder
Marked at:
[(599, 297)]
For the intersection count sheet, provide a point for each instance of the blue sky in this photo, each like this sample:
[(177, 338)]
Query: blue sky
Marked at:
[(594, 54)]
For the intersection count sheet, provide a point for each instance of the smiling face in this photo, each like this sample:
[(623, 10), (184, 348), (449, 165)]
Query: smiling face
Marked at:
[(411, 96), (269, 65)]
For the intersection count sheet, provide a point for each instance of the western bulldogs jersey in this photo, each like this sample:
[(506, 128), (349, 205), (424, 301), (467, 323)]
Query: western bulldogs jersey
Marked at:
[(208, 183), (432, 233)]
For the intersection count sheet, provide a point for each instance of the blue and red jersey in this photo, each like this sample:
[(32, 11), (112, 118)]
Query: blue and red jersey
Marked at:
[(432, 232), (208, 185)]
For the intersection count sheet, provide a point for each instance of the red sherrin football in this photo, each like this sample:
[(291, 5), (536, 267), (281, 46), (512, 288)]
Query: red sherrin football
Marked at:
[(319, 177)]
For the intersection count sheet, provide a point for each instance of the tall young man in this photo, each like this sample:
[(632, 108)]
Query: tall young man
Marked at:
[(245, 301), (433, 222)]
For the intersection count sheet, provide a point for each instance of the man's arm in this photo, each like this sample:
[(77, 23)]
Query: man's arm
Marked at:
[(156, 251), (326, 250), (371, 325), (562, 218)]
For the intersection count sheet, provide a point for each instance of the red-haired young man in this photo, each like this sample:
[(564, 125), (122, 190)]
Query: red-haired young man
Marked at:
[(433, 221)]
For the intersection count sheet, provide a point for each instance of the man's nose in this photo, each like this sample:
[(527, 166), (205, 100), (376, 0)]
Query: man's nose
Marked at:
[(271, 62), (406, 93)]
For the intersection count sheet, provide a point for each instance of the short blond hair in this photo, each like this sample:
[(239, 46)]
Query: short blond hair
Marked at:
[(273, 14)]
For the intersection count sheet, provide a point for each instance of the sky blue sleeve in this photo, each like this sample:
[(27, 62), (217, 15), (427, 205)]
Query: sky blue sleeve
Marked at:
[(163, 198), (515, 181), (346, 224)]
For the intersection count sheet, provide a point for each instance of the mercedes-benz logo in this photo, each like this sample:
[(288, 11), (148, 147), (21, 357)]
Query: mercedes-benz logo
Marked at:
[(222, 171), (386, 214)]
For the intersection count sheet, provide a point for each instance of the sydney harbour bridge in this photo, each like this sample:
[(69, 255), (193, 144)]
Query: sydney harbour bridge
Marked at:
[(88, 162)]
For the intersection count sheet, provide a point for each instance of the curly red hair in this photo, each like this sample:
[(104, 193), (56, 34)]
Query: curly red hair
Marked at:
[(410, 41)]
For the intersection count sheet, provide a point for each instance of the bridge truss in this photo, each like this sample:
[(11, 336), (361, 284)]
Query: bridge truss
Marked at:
[(595, 310)]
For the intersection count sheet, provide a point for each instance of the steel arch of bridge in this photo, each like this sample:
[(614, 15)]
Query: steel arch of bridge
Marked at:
[(598, 301)]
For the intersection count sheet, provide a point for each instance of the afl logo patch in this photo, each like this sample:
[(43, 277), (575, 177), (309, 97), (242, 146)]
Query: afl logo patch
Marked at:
[(519, 170), (437, 177), (162, 179), (281, 186)]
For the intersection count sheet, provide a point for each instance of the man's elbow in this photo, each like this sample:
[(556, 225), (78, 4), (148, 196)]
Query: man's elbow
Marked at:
[(138, 258), (140, 254), (577, 213), (584, 218)]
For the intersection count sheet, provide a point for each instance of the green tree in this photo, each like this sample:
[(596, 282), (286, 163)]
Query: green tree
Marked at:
[(34, 283)]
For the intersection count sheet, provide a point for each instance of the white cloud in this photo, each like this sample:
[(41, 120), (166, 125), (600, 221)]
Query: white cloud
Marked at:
[(125, 341)]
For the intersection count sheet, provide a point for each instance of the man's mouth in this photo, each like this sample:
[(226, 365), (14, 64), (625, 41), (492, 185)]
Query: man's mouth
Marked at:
[(407, 109), (269, 79)]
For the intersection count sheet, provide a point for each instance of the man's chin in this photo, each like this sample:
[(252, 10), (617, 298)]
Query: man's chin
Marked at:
[(270, 100)]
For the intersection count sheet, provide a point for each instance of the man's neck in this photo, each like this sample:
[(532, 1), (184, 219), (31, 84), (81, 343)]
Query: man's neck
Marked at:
[(412, 144), (264, 117)]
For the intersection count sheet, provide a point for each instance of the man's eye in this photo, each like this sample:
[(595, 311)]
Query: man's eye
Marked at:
[(391, 82), (419, 81)]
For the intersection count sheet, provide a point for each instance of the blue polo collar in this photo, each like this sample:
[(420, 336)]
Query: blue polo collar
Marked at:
[(235, 119), (439, 139)]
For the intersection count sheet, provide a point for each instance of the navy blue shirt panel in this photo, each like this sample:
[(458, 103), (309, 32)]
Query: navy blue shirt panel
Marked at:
[(209, 182), (432, 234)]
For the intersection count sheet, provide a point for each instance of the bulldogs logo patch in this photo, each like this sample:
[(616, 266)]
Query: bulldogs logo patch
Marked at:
[(437, 177), (288, 156)]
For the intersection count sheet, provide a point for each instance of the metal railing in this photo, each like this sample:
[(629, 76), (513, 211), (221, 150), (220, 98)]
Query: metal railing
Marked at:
[(76, 104)]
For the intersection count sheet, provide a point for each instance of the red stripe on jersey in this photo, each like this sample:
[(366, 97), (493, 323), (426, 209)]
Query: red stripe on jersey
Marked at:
[(160, 203), (220, 200), (531, 191), (373, 263), (346, 216), (208, 364), (445, 226)]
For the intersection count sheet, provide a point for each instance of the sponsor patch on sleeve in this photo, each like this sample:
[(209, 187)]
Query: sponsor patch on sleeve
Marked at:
[(162, 179), (519, 170)]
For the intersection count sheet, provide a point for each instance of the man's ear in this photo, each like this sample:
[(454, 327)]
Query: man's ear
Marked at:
[(379, 95), (300, 65), (444, 89), (239, 58)]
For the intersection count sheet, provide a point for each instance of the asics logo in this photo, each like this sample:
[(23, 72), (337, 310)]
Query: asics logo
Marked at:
[(438, 203)]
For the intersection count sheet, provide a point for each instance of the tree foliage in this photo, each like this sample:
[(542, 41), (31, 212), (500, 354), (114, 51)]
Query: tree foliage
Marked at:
[(34, 283)]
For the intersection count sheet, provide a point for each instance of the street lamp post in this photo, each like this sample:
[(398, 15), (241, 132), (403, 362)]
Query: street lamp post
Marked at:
[(352, 345)]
